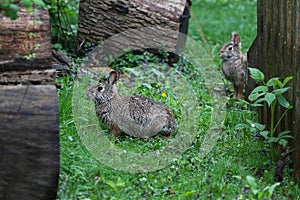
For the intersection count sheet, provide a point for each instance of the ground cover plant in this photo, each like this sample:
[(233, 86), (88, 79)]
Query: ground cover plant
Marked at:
[(238, 167)]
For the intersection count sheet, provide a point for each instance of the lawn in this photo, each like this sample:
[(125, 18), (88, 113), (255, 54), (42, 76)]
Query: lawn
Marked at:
[(229, 165)]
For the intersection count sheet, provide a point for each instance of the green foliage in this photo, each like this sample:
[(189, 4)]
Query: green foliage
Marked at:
[(11, 7), (258, 192), (116, 185), (217, 18), (261, 93), (220, 175), (30, 56), (141, 59), (270, 93), (64, 22)]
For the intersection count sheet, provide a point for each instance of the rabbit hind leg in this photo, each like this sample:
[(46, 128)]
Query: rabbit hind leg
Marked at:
[(115, 130), (236, 91), (239, 90)]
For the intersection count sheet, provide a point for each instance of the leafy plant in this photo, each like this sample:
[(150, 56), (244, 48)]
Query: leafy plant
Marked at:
[(30, 56), (259, 192), (271, 94), (116, 185), (11, 7), (250, 127), (191, 177), (64, 22), (132, 59)]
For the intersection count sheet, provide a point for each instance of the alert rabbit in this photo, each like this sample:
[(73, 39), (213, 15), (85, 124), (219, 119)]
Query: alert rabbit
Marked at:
[(234, 64), (135, 115)]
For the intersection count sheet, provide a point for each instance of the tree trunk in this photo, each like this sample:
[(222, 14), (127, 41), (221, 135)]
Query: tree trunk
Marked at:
[(29, 129), (99, 20)]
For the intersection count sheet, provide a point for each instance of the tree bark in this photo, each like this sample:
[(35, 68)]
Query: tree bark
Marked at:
[(28, 36), (99, 20), (29, 139)]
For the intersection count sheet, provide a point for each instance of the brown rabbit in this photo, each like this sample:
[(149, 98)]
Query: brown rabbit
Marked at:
[(135, 115), (234, 64)]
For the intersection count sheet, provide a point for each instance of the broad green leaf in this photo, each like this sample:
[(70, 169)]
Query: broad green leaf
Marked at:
[(111, 184), (273, 82), (269, 98), (257, 105), (249, 121), (258, 92), (256, 74), (241, 126), (259, 126), (288, 137), (14, 7), (39, 3), (26, 3), (255, 96), (283, 142), (260, 100), (260, 89), (286, 80), (252, 182), (265, 134), (12, 11), (280, 91), (120, 183), (283, 133), (283, 102), (273, 139), (272, 188), (260, 194)]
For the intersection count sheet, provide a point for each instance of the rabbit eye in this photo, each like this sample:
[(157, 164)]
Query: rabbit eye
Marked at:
[(100, 88), (230, 48)]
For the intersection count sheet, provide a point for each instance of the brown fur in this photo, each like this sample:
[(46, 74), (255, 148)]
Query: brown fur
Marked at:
[(135, 115), (234, 64)]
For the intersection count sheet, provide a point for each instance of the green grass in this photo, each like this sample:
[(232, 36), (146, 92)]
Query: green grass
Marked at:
[(221, 174)]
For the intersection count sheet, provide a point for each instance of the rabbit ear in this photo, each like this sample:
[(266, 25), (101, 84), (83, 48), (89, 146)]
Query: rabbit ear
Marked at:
[(236, 38), (113, 77), (232, 34)]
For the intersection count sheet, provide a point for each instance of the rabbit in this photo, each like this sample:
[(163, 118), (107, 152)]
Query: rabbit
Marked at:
[(137, 116), (234, 64)]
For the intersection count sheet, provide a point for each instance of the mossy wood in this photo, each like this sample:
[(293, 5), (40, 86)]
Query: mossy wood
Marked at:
[(276, 52), (29, 128), (99, 20), (26, 37)]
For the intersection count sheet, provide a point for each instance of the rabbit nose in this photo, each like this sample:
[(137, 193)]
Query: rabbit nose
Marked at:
[(221, 53)]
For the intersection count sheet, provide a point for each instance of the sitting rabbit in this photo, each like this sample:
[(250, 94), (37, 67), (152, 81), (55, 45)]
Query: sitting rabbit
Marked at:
[(234, 64), (135, 115)]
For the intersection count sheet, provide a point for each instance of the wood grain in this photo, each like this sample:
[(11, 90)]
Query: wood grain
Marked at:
[(276, 52), (29, 138), (27, 35), (35, 77), (99, 20)]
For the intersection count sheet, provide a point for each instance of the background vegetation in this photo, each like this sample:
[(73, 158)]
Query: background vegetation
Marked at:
[(238, 167)]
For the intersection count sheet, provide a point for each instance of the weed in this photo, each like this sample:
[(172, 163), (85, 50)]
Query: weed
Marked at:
[(271, 93)]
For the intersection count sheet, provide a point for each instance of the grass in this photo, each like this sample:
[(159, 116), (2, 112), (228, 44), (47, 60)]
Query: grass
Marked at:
[(221, 174)]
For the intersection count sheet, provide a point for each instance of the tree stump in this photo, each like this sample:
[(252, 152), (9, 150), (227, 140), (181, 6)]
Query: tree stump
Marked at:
[(99, 20), (29, 129), (276, 52), (25, 46)]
